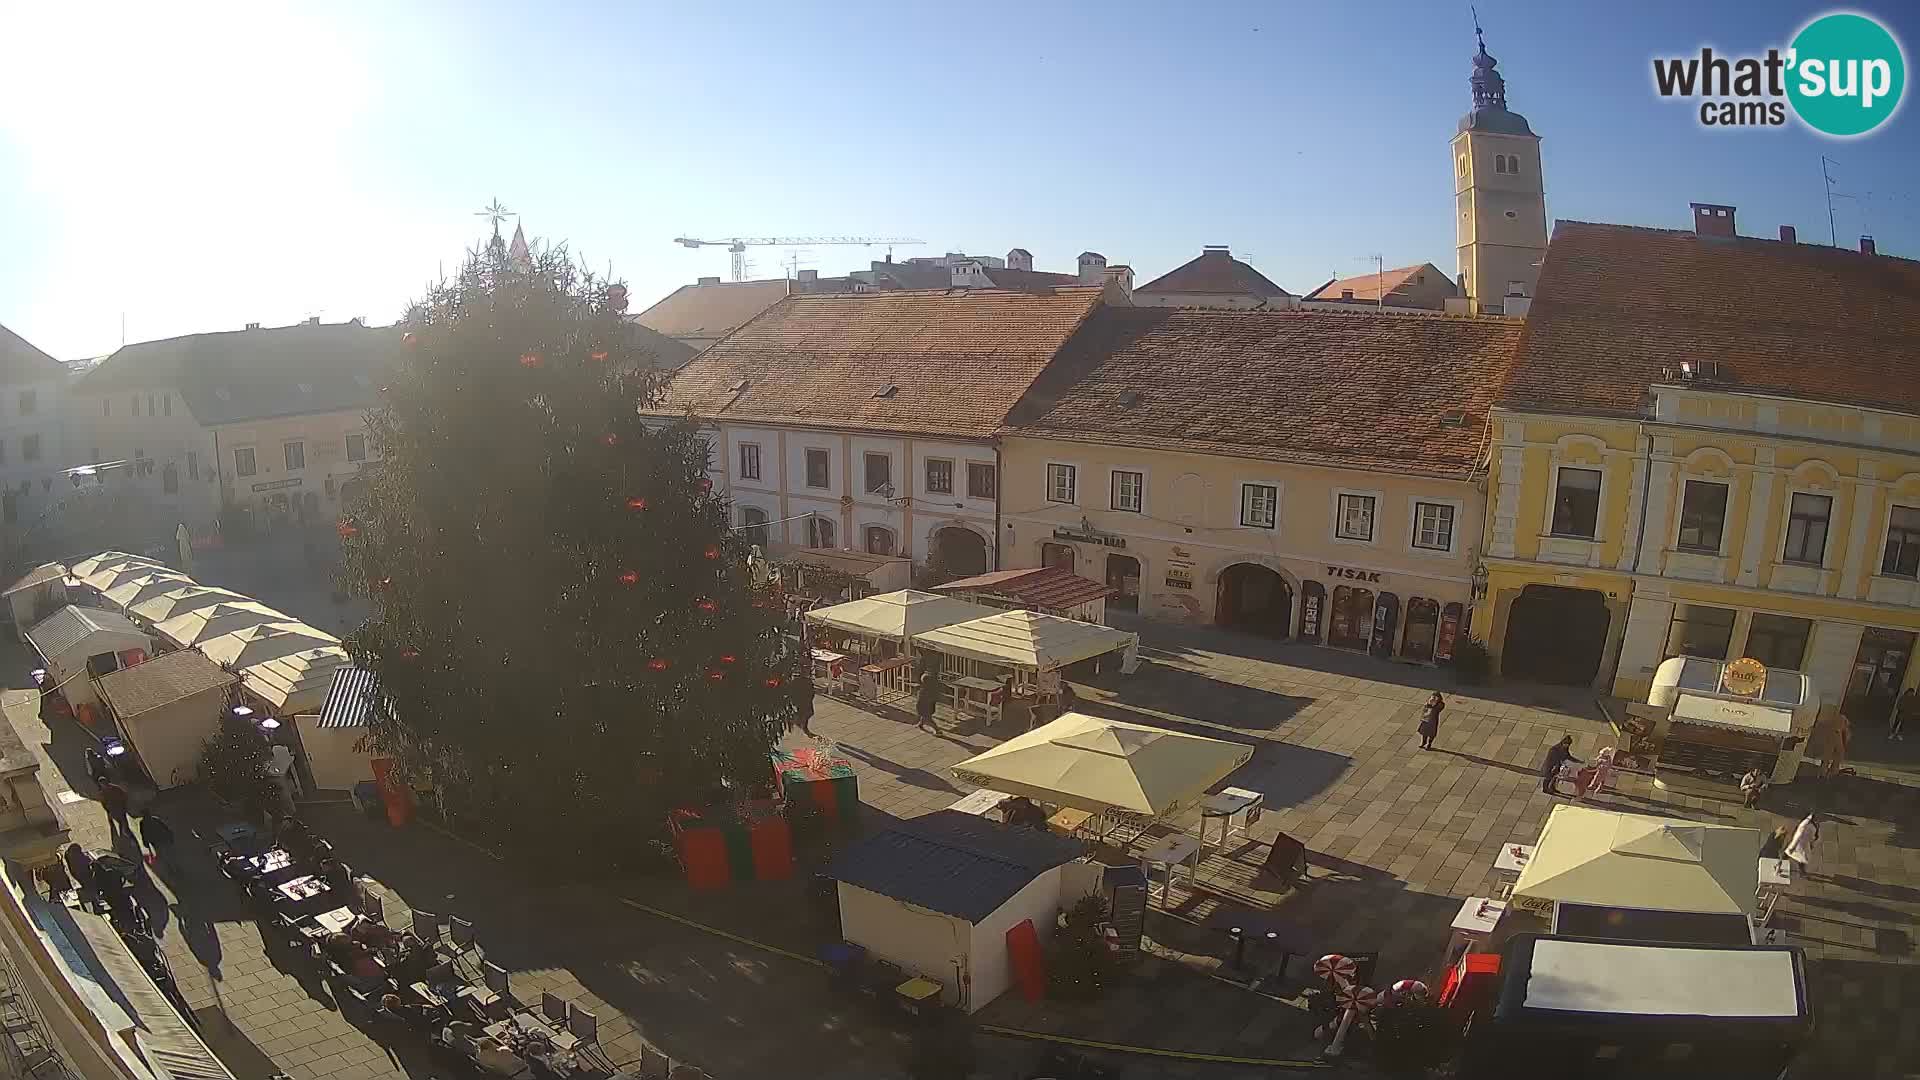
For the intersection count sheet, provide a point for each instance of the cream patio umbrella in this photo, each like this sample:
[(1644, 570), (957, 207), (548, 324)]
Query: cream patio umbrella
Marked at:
[(106, 560), (105, 578), (1099, 765), (1031, 640), (181, 600), (214, 620), (897, 616), (147, 586), (298, 682), (261, 642), (1605, 859)]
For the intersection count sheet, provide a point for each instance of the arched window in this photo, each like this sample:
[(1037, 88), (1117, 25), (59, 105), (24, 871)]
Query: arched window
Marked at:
[(820, 532), (753, 521), (879, 540), (1499, 163)]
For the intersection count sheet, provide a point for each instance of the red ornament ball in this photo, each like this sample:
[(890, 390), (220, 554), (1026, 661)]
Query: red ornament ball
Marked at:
[(729, 658), (530, 360), (636, 503), (408, 339), (711, 552), (610, 439), (599, 355), (716, 676), (659, 663), (630, 577), (706, 485), (773, 682), (409, 653), (346, 529), (707, 605)]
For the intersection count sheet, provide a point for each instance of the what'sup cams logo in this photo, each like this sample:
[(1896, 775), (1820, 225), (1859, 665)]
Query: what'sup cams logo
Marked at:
[(1843, 76)]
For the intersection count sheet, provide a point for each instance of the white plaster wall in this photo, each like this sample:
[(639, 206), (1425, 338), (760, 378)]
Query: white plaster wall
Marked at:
[(992, 968), (923, 942)]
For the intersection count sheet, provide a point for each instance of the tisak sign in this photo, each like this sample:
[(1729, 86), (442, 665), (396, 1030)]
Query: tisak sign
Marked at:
[(1745, 676)]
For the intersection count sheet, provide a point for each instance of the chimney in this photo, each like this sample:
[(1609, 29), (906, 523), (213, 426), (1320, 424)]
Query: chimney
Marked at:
[(1020, 259), (313, 320), (1093, 268), (1517, 306), (1866, 245), (807, 277), (1216, 249), (1712, 219), (253, 326), (1788, 235), (708, 281), (1120, 279), (1346, 294)]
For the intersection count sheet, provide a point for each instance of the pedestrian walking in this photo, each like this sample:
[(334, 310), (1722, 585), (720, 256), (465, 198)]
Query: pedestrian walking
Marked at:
[(1903, 709), (929, 697), (1775, 845), (157, 835), (1751, 785), (114, 799), (1430, 719), (803, 699), (1557, 756), (97, 770), (80, 869), (1800, 847)]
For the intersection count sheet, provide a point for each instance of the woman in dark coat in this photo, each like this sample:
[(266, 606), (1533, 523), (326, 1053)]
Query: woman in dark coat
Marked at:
[(1430, 720), (802, 684)]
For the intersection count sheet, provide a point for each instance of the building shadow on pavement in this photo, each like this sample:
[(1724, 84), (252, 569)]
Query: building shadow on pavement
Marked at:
[(1165, 689)]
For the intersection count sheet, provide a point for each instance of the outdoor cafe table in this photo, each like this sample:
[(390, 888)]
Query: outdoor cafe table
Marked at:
[(960, 684), (1511, 863), (826, 664), (335, 921), (1224, 806), (269, 861), (302, 888), (980, 802), (1166, 856)]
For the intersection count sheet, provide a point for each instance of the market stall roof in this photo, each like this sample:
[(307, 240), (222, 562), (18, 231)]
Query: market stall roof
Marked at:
[(298, 682), (107, 577), (253, 645), (162, 681), (898, 615), (349, 698), (179, 601), (1565, 977), (1041, 586), (39, 575), (1607, 859), (1028, 639), (104, 561), (1096, 765), (1733, 715), (145, 587), (952, 862), (59, 632), (203, 624)]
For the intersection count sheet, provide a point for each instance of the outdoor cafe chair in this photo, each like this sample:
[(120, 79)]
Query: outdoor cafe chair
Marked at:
[(585, 1028), (463, 935), (426, 926), (654, 1065), (554, 1010)]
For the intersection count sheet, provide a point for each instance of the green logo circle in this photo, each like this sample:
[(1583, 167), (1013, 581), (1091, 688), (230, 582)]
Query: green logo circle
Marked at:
[(1847, 74)]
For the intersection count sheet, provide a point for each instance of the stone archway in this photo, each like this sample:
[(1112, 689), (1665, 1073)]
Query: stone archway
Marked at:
[(1254, 598), (960, 552)]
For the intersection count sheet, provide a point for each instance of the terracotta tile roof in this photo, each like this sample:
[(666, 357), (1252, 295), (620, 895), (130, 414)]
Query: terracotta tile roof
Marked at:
[(1214, 271), (228, 377), (713, 310), (1368, 288), (957, 360), (1367, 390), (1617, 305), (1042, 586)]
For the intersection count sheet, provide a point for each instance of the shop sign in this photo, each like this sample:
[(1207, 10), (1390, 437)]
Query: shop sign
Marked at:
[(1449, 631), (1354, 574), (1310, 616), (1745, 676), (1534, 905), (1178, 578), (1090, 538), (276, 485)]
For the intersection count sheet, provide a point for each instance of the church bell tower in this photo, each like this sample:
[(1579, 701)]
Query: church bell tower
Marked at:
[(1500, 199)]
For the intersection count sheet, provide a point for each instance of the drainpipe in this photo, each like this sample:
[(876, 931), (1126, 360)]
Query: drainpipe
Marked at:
[(1644, 444), (999, 481)]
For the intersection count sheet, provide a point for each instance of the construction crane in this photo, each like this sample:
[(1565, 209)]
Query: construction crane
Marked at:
[(737, 245)]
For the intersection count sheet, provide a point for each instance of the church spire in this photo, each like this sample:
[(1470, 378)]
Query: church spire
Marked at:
[(1489, 88)]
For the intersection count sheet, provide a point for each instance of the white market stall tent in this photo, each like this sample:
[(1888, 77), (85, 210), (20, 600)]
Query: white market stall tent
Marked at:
[(1031, 641), (145, 587), (168, 708), (215, 620), (167, 605), (80, 644), (333, 739), (896, 616), (261, 642), (113, 573), (37, 595), (296, 683), (106, 560), (1103, 766)]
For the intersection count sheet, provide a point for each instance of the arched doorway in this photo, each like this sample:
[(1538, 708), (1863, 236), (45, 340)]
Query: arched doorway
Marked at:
[(1313, 610), (1254, 598), (960, 552), (1123, 577), (1556, 635), (753, 525), (1351, 624), (1057, 555), (1423, 629)]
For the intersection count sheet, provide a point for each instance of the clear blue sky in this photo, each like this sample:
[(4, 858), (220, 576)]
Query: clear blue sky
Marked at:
[(202, 166)]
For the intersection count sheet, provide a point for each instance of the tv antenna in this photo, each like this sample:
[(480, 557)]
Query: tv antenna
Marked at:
[(1833, 234)]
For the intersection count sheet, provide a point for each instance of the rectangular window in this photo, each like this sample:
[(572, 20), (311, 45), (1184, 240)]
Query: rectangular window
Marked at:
[(1129, 489), (1433, 526), (9, 507), (1576, 504), (3, 453), (1807, 528), (356, 447), (1259, 506), (29, 401), (983, 481), (939, 476), (1779, 641), (1903, 543), (1703, 516), (243, 461), (106, 409), (1061, 482), (166, 404), (296, 456), (1355, 521), (879, 469), (818, 469), (193, 465), (749, 461), (170, 479), (1700, 631), (149, 404), (30, 448)]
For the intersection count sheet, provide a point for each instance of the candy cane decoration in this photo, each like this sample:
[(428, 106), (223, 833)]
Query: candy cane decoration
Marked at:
[(1405, 990), (1354, 1002), (1337, 970)]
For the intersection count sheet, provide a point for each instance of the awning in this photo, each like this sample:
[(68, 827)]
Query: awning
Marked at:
[(1733, 715), (897, 615), (1030, 639), (1099, 765), (1041, 586), (114, 573), (1605, 859), (105, 560)]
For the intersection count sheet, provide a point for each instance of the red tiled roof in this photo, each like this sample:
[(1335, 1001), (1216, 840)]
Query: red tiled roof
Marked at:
[(956, 360), (1214, 271), (1369, 287), (713, 310), (1619, 305), (1362, 389), (1041, 586)]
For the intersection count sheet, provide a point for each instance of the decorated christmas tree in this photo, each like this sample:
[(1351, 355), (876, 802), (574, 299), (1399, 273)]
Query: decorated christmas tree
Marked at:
[(562, 629)]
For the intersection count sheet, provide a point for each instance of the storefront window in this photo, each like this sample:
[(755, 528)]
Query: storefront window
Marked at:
[(1056, 555), (1779, 641), (1423, 628), (1313, 605), (1700, 631), (1351, 626)]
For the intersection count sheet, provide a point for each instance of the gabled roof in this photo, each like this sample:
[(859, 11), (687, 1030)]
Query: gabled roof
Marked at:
[(259, 374), (956, 360), (71, 625), (711, 310), (1360, 389), (666, 353), (1214, 271), (1041, 586), (1369, 288), (1618, 307), (162, 681), (39, 575), (22, 361), (952, 862)]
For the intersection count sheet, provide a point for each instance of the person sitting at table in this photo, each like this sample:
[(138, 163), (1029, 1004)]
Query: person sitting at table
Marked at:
[(486, 1051), (1021, 810), (292, 833), (352, 957), (374, 935), (338, 877), (410, 961), (416, 1016)]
